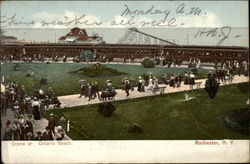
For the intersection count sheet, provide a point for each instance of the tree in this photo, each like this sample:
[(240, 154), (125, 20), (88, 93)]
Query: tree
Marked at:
[(106, 109), (86, 55), (16, 67), (211, 87), (147, 63)]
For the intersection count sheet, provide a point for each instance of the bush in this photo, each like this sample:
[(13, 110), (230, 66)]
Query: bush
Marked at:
[(98, 70), (211, 87), (106, 109), (243, 87), (16, 67), (238, 120), (147, 63), (44, 81), (136, 129)]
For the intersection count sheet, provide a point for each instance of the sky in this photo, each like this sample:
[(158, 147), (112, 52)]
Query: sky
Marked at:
[(40, 20)]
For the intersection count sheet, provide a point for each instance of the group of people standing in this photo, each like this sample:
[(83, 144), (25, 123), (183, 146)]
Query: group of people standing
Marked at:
[(26, 110), (194, 63), (89, 90), (22, 128)]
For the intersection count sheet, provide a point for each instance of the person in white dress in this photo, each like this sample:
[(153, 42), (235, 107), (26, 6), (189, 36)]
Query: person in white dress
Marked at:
[(151, 83)]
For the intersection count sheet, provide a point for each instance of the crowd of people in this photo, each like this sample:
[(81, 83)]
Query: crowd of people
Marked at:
[(146, 82), (26, 109), (163, 60), (194, 63), (89, 90), (227, 69)]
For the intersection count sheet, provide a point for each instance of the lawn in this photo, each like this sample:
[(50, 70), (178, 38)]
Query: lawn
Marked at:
[(65, 83), (161, 117)]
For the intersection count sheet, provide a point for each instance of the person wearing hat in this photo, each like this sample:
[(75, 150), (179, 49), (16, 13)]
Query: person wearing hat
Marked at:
[(126, 86), (131, 83), (50, 92), (156, 84), (139, 84), (39, 136), (29, 126), (109, 85), (36, 109), (151, 83), (47, 135), (22, 91), (178, 81), (60, 133), (62, 122), (17, 109), (47, 102), (40, 93), (8, 132), (89, 91), (42, 108), (30, 136), (83, 89), (192, 81), (16, 129), (52, 124), (95, 90), (35, 102)]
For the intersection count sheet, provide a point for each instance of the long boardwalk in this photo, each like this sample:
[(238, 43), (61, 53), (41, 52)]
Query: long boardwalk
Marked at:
[(74, 100)]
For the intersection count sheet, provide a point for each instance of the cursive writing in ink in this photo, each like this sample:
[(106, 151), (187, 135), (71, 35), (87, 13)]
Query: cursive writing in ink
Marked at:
[(222, 33)]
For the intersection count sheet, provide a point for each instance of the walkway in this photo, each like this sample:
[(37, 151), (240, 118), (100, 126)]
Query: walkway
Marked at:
[(73, 100)]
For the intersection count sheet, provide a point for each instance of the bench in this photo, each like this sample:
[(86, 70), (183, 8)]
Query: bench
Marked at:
[(198, 85), (161, 89)]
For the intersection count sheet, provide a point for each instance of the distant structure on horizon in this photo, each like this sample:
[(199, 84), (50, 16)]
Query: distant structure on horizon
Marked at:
[(80, 36), (11, 40), (7, 39)]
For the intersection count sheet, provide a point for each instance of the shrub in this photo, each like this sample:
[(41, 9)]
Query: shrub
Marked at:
[(106, 109), (44, 81), (16, 67), (147, 63), (238, 120), (136, 128), (98, 70), (211, 87), (243, 87)]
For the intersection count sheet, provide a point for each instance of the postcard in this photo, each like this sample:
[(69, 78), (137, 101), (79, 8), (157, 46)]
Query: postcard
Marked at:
[(124, 81)]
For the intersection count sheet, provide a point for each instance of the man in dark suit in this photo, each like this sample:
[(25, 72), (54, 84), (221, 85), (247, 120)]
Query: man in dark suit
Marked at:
[(39, 136), (127, 86), (52, 124), (47, 135)]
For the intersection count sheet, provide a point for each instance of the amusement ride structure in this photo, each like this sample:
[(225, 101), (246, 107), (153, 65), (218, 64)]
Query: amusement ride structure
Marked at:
[(134, 43)]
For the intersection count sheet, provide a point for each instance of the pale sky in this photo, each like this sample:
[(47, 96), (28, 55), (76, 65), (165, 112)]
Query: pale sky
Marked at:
[(212, 14)]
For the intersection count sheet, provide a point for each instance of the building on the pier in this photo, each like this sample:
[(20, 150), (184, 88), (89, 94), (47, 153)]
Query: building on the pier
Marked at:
[(80, 36)]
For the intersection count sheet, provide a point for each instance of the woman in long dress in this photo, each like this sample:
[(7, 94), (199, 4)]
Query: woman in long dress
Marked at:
[(36, 113), (89, 91), (151, 83), (139, 85)]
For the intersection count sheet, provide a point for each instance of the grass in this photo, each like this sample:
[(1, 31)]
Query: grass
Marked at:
[(97, 70), (65, 83), (161, 117)]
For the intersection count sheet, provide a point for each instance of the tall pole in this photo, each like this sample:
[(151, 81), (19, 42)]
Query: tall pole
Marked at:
[(55, 37)]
